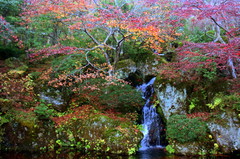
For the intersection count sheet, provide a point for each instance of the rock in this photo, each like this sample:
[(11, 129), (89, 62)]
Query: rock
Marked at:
[(171, 100), (226, 132), (190, 149), (124, 68), (22, 138), (100, 133)]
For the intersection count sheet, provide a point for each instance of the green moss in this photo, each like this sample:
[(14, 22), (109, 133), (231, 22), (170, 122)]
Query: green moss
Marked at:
[(125, 63), (160, 112), (3, 120)]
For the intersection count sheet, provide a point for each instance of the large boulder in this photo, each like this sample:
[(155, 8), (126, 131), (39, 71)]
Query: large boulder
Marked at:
[(171, 100), (226, 132), (95, 131)]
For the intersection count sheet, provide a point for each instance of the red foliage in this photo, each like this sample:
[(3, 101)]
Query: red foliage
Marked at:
[(78, 113), (193, 56), (53, 50), (220, 10), (19, 92), (85, 112), (202, 115), (7, 34)]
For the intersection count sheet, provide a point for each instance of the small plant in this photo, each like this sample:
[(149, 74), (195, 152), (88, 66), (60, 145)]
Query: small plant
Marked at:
[(193, 104), (216, 102), (225, 101), (170, 149)]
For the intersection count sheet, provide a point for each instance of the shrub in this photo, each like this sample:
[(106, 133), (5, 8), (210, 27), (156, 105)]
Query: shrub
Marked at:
[(16, 92), (43, 111), (183, 130), (122, 98)]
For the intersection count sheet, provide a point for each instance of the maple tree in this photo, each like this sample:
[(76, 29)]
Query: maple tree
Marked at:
[(221, 52), (105, 25)]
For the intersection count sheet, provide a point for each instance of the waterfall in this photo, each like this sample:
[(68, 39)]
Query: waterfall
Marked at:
[(151, 120)]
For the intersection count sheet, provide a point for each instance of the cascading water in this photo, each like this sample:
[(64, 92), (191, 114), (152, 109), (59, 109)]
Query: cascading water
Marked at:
[(151, 120)]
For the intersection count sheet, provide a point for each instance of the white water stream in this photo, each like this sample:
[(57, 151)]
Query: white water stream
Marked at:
[(151, 120)]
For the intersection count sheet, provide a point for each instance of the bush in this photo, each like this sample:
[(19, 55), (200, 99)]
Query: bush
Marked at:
[(122, 98), (43, 111), (112, 95), (184, 130)]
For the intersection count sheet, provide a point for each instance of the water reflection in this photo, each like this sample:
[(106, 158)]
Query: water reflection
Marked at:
[(147, 154)]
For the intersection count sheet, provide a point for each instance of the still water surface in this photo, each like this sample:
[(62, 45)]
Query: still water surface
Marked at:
[(148, 154)]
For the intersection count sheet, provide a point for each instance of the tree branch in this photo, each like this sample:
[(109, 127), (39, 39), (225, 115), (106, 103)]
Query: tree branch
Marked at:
[(220, 26), (93, 39)]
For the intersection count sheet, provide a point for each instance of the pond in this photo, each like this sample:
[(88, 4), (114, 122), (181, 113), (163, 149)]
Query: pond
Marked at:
[(69, 154)]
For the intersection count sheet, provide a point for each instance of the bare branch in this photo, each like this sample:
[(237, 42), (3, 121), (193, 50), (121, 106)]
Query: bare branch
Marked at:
[(93, 39), (220, 26)]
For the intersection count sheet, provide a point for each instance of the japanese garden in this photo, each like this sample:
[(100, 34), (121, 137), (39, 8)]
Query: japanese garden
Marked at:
[(120, 77)]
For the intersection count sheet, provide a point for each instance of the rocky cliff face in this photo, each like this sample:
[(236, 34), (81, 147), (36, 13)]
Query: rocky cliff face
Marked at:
[(223, 126)]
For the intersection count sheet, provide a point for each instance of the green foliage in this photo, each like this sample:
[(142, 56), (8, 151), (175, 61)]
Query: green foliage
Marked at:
[(136, 53), (170, 149), (195, 34), (25, 118), (192, 104), (3, 120), (111, 95), (221, 101), (67, 64), (184, 130), (10, 7), (208, 73), (122, 98), (34, 75), (43, 111), (216, 102)]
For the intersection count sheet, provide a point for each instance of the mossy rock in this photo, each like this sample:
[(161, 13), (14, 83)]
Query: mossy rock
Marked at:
[(188, 149), (125, 64), (100, 133), (19, 137)]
